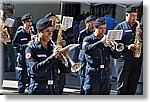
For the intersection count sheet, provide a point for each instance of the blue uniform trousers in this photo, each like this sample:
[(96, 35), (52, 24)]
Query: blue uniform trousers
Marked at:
[(58, 85), (97, 82), (81, 72), (40, 87), (129, 76), (21, 76)]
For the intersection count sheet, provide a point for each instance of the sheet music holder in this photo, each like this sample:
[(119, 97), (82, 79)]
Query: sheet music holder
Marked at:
[(69, 47), (114, 35), (9, 22)]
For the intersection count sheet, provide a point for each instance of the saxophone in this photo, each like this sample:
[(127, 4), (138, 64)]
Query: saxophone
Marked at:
[(59, 39), (137, 42), (66, 60)]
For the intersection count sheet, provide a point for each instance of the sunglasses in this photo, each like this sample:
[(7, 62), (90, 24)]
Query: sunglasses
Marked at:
[(28, 20)]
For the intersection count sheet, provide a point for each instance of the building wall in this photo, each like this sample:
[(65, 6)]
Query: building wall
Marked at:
[(37, 10), (120, 10), (85, 8)]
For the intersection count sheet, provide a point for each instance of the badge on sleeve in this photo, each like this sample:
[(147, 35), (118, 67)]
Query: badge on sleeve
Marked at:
[(28, 55)]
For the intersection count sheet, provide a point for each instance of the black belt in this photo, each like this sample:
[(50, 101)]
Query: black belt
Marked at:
[(100, 66), (44, 82)]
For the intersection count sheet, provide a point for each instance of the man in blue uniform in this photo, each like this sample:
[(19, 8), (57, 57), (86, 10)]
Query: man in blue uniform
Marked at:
[(89, 21), (130, 67), (42, 58), (59, 75), (97, 75), (20, 42)]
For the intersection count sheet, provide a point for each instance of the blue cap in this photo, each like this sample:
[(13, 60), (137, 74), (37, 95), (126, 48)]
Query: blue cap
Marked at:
[(44, 23), (131, 9), (50, 14), (26, 17), (99, 21), (89, 18)]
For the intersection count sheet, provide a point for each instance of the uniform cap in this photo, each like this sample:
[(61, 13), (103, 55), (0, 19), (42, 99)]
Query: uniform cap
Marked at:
[(99, 21), (26, 17), (131, 9), (50, 14), (44, 23), (89, 18)]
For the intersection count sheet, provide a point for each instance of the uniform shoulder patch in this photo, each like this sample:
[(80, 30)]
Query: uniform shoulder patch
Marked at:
[(28, 55)]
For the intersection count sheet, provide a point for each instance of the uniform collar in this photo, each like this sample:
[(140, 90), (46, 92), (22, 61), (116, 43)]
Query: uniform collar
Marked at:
[(94, 37), (87, 31)]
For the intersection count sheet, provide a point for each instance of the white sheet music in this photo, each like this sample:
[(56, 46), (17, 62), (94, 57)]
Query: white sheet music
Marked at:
[(69, 47), (114, 34), (9, 22), (67, 22)]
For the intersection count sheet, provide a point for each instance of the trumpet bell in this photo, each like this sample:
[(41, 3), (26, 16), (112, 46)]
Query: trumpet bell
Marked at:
[(75, 67), (119, 47)]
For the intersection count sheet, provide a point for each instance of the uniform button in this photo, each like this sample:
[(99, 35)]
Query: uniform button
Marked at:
[(45, 71), (131, 40)]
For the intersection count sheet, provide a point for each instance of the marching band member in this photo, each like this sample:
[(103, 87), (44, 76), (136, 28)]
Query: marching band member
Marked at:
[(129, 67), (20, 42), (89, 21), (42, 58), (59, 75), (97, 75)]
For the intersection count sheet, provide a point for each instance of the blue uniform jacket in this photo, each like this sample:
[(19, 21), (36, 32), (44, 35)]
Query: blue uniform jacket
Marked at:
[(21, 40), (41, 61), (82, 35), (96, 53), (127, 38)]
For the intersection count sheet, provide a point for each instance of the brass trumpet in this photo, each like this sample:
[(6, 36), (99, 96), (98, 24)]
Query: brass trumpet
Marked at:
[(74, 66), (115, 46), (66, 59), (118, 46)]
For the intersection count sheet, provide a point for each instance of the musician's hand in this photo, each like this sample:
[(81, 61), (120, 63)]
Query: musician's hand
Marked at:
[(65, 53), (132, 47), (57, 51), (62, 43), (6, 40)]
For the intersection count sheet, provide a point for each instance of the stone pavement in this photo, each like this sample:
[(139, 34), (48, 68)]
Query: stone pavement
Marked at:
[(71, 87)]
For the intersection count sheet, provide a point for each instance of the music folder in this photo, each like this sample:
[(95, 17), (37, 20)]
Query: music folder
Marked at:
[(69, 47)]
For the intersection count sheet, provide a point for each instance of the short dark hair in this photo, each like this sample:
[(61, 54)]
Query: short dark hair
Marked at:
[(99, 21)]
